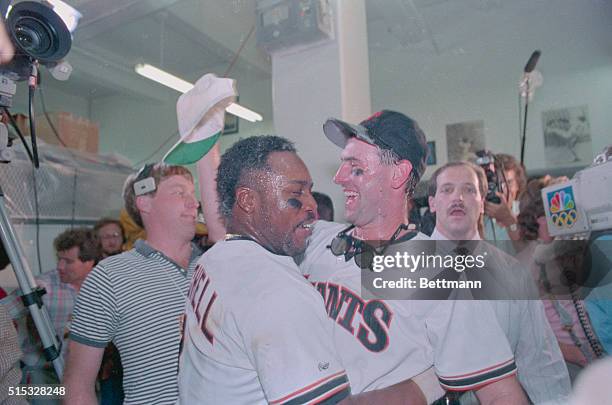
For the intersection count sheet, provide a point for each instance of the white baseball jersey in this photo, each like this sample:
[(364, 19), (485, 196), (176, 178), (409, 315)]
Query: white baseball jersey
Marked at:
[(256, 332), (383, 342)]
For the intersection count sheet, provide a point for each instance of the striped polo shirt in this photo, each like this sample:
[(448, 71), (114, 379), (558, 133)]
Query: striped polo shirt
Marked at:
[(136, 300)]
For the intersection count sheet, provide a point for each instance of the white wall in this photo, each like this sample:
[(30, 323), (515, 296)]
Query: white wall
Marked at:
[(479, 79)]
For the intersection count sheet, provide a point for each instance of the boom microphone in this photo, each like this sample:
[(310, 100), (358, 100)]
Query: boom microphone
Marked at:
[(532, 62)]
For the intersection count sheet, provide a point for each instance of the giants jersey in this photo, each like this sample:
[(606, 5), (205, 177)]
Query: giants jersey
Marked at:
[(256, 332), (383, 342)]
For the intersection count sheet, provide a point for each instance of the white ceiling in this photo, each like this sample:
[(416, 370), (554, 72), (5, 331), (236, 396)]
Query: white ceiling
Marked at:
[(191, 37)]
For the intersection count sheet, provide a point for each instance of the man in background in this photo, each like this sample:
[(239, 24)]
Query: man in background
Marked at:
[(325, 206), (77, 253), (457, 197)]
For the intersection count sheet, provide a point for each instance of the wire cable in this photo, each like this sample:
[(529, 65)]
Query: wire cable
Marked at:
[(69, 150), (19, 133), (31, 90)]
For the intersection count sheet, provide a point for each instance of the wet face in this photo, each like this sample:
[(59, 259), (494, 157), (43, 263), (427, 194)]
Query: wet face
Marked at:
[(286, 204), (111, 239), (175, 205), (365, 182), (71, 269), (457, 203)]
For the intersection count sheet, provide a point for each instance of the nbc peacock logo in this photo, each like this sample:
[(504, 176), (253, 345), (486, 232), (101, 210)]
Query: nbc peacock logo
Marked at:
[(562, 207)]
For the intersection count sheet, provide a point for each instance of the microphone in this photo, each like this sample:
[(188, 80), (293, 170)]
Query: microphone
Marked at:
[(532, 62)]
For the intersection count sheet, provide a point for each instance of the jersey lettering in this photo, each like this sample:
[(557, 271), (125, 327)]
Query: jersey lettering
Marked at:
[(371, 318), (199, 285)]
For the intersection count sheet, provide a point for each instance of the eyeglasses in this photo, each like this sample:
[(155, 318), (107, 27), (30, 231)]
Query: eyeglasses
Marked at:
[(362, 252)]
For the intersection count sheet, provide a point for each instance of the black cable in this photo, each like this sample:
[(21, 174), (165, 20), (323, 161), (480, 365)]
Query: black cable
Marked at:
[(35, 160), (524, 127), (37, 219), (520, 116), (18, 131)]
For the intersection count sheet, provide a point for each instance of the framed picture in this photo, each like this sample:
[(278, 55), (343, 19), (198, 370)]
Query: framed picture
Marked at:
[(567, 136), (464, 139), (431, 153), (231, 123)]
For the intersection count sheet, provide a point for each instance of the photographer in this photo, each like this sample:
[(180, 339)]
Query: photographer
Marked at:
[(501, 218)]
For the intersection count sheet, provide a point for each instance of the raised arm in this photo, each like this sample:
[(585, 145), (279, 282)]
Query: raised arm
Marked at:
[(207, 177)]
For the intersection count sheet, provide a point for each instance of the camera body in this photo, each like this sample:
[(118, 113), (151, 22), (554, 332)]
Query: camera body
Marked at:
[(41, 32), (583, 204), (486, 160)]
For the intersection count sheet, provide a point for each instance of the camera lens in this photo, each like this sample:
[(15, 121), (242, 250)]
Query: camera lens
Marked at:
[(33, 37), (39, 32)]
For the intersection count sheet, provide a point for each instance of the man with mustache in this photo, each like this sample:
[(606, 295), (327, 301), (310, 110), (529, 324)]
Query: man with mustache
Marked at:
[(457, 196)]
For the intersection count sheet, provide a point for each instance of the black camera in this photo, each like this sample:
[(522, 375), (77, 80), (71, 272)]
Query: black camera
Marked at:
[(486, 160), (39, 34)]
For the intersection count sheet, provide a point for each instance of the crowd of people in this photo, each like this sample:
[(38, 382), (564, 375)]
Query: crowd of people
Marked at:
[(275, 311)]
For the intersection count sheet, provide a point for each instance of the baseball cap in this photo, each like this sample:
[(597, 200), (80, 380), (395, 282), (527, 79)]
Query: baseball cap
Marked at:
[(387, 130), (201, 118)]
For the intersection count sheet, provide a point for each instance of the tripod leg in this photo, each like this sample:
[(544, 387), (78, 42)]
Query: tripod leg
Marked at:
[(51, 345)]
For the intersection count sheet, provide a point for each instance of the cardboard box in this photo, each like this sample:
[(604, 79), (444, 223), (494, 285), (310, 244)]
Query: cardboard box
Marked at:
[(76, 133)]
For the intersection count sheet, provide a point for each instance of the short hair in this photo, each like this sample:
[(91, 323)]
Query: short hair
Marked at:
[(483, 184), (389, 157), (159, 172), (509, 162), (242, 159), (532, 207), (324, 203), (432, 187), (83, 238)]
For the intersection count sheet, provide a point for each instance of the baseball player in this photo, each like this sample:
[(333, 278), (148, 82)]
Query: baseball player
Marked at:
[(384, 341), (256, 331), (254, 325)]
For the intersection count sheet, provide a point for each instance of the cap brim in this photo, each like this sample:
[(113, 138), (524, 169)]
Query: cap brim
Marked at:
[(339, 132), (185, 153)]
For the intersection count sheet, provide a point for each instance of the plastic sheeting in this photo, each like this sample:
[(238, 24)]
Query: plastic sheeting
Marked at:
[(71, 186), (74, 189)]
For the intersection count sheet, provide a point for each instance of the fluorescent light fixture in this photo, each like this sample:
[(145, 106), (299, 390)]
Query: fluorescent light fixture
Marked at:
[(183, 86), (243, 112), (162, 77)]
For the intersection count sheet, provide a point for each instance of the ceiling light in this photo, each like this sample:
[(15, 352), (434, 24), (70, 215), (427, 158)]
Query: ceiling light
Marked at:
[(183, 86)]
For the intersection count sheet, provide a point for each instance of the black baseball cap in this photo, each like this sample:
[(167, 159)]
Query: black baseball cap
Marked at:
[(387, 130)]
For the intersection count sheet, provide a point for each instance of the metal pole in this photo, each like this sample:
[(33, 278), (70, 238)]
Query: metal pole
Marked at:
[(31, 294)]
